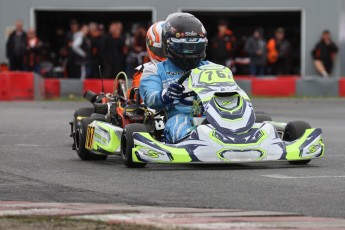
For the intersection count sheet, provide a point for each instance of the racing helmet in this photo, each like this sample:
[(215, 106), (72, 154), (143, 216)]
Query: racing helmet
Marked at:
[(184, 41), (178, 14), (154, 42)]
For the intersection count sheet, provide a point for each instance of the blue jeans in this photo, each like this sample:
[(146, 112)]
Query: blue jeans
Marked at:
[(178, 127)]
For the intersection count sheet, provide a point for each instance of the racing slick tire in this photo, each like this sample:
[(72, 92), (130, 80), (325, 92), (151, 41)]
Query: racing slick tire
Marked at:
[(293, 131), (80, 138), (127, 144), (82, 112), (260, 117)]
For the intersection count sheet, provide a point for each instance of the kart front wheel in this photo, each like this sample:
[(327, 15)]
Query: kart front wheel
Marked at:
[(127, 144), (80, 139), (293, 131)]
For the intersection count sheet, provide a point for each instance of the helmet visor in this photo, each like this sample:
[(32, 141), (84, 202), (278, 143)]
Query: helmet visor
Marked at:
[(187, 45)]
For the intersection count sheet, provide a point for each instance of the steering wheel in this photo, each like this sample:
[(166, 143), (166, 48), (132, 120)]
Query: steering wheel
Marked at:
[(183, 97)]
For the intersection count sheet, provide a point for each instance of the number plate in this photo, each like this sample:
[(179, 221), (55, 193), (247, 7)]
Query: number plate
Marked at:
[(89, 137)]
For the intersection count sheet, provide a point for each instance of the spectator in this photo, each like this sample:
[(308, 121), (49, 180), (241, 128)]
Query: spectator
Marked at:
[(81, 49), (95, 39), (223, 45), (101, 30), (113, 50), (32, 56), (278, 53), (16, 47), (137, 54), (74, 28), (324, 54), (256, 50), (59, 47)]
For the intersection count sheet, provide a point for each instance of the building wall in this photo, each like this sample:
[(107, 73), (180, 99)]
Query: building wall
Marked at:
[(318, 15)]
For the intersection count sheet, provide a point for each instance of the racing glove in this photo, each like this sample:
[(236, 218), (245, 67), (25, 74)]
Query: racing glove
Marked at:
[(173, 92)]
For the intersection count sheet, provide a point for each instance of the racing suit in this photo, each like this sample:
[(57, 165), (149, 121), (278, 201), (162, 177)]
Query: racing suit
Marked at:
[(136, 79), (155, 78)]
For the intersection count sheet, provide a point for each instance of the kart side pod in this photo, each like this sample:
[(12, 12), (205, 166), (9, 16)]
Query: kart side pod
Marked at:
[(102, 138)]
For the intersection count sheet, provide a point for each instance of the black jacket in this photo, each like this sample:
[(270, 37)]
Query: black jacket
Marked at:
[(11, 51), (252, 46), (324, 52)]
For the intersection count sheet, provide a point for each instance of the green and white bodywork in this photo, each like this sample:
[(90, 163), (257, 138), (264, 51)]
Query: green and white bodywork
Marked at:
[(103, 138), (207, 145), (230, 135)]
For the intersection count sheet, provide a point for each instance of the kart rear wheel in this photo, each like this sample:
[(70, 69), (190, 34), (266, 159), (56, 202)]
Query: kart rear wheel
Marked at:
[(80, 138), (127, 144), (81, 112), (261, 117), (293, 131)]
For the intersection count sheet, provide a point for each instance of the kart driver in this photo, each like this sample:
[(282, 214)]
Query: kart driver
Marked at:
[(154, 51), (184, 43)]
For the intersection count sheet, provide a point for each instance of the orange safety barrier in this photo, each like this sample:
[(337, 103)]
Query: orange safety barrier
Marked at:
[(274, 87), (51, 88), (17, 86), (342, 87)]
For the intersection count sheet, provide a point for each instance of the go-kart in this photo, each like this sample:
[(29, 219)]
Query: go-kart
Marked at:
[(228, 134), (226, 130), (115, 109)]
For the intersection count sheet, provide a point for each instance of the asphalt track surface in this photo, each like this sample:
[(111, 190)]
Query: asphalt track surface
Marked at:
[(38, 164)]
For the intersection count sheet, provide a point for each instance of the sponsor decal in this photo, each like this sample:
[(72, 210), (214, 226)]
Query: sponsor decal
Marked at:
[(227, 102), (191, 34), (313, 148), (101, 136), (192, 39), (153, 154), (174, 73)]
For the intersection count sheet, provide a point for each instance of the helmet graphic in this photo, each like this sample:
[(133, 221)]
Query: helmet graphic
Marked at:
[(154, 42)]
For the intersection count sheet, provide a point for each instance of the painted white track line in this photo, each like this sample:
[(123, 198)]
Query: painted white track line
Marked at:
[(277, 176)]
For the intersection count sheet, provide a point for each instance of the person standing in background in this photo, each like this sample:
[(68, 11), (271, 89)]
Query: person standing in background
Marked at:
[(324, 54), (59, 47), (16, 47), (223, 45), (256, 50), (81, 49), (113, 50), (95, 39), (137, 54), (32, 56), (278, 54), (74, 28)]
